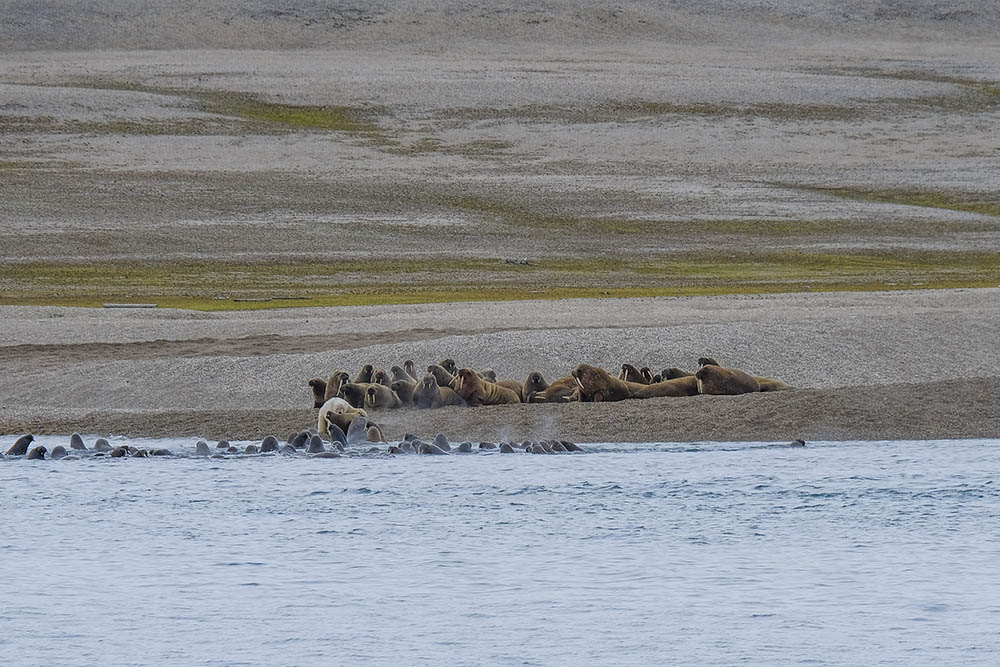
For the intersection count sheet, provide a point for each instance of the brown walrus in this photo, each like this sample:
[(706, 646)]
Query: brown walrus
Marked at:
[(630, 373), (685, 386), (354, 393), (534, 383), (398, 373), (318, 386), (364, 376), (380, 396), (673, 373), (404, 389), (708, 361), (714, 379), (443, 377), (596, 384), (381, 377), (334, 384), (477, 391), (411, 369), (449, 365), (770, 384), (563, 390), (513, 385), (429, 394)]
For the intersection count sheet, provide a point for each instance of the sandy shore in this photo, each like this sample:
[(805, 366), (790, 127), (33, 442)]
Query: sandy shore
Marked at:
[(870, 366)]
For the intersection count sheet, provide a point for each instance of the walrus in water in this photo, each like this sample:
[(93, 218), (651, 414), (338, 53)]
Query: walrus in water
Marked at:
[(37, 453), (76, 442), (596, 384), (429, 394), (685, 386), (404, 389), (477, 391), (379, 396), (20, 446), (364, 376), (563, 390), (58, 452), (714, 379)]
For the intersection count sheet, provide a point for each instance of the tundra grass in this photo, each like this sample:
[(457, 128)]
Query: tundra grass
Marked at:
[(982, 204), (236, 286)]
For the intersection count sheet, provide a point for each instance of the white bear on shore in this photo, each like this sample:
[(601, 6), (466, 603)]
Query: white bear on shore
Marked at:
[(337, 406)]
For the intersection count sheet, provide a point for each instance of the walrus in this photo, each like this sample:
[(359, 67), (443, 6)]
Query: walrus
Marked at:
[(122, 451), (411, 369), (58, 452), (630, 373), (340, 421), (465, 448), (449, 365), (686, 386), (364, 376), (354, 393), (102, 445), (20, 446), (488, 374), (76, 442), (477, 391), (673, 373), (300, 440), (714, 379), (356, 430), (505, 448), (200, 449), (770, 384), (441, 440), (534, 383), (269, 444), (398, 374), (429, 394), (394, 449), (334, 383), (326, 455), (318, 386), (430, 448), (373, 433), (596, 384), (315, 445), (513, 385), (166, 452), (404, 389), (379, 396), (442, 376), (708, 361), (563, 390), (381, 377), (37, 453)]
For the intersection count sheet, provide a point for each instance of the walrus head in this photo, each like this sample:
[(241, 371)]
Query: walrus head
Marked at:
[(708, 361), (467, 380), (365, 375), (371, 397), (534, 383), (381, 377), (319, 391), (428, 381), (448, 365)]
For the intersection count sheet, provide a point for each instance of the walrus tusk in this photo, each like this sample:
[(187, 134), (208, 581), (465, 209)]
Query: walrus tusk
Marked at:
[(578, 381)]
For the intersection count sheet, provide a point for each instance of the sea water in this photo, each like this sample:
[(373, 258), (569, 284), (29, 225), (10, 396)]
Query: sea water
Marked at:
[(847, 553)]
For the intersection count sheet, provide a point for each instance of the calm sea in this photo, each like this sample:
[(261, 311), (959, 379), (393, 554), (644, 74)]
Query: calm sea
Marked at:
[(848, 553)]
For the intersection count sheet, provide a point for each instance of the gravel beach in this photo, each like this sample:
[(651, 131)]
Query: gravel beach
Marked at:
[(915, 364)]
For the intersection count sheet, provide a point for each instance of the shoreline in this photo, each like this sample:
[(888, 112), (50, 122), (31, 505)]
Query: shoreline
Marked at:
[(949, 409)]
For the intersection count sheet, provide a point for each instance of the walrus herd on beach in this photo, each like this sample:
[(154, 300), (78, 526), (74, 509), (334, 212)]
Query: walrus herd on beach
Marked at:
[(445, 384)]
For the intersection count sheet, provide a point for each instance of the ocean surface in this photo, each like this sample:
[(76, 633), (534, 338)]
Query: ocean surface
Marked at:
[(847, 553)]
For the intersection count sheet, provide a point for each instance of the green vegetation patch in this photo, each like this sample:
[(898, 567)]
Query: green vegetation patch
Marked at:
[(212, 285), (951, 201)]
